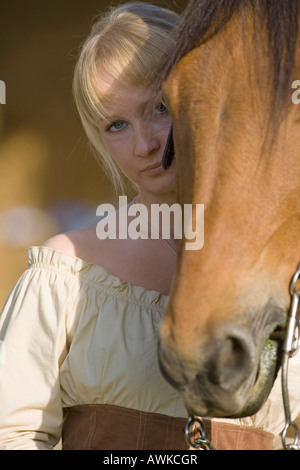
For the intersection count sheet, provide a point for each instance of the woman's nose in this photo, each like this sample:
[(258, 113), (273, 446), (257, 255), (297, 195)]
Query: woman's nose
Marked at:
[(146, 141)]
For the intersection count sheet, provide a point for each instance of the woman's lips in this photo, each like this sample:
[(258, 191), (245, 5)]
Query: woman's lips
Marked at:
[(154, 169)]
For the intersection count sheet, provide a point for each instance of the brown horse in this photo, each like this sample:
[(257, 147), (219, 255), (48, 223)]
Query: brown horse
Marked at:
[(237, 149)]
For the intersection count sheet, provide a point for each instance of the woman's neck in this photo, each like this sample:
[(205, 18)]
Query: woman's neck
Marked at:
[(148, 199), (165, 216)]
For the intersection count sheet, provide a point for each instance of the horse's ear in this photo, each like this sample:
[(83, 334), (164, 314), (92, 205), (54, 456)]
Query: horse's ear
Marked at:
[(169, 152)]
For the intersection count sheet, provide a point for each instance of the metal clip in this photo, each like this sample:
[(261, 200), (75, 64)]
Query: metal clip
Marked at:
[(289, 351), (199, 443)]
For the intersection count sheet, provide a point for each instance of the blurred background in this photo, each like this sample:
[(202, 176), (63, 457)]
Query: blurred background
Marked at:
[(50, 181)]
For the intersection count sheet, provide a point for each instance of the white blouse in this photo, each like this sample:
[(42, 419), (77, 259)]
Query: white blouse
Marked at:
[(73, 334)]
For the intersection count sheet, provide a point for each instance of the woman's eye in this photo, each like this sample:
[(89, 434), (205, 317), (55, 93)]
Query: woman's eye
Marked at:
[(161, 109), (116, 126)]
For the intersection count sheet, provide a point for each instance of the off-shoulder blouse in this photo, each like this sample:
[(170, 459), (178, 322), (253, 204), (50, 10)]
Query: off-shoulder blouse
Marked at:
[(73, 334)]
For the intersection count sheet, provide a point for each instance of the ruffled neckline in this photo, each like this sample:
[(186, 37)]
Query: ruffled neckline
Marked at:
[(93, 274)]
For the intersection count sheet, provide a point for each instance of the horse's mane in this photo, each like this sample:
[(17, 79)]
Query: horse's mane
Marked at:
[(203, 19)]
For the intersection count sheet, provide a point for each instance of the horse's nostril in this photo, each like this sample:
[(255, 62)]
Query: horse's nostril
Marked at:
[(231, 360)]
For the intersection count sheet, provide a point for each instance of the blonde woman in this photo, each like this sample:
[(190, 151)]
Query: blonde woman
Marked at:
[(79, 330)]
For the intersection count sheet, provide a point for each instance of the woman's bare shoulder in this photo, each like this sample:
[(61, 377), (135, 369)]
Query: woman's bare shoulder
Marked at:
[(73, 243), (61, 242)]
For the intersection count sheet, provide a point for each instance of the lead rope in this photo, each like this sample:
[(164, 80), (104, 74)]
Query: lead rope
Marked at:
[(290, 348)]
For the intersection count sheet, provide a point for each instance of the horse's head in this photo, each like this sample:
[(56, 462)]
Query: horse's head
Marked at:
[(237, 144)]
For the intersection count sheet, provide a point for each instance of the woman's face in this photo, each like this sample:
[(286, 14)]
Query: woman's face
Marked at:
[(136, 134)]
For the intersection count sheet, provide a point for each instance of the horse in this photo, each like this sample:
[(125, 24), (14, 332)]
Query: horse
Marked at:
[(236, 135)]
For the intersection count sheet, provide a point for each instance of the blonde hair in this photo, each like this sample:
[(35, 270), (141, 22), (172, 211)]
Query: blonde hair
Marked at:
[(126, 42)]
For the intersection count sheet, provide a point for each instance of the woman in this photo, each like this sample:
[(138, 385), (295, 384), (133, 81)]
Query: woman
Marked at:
[(80, 327), (78, 333)]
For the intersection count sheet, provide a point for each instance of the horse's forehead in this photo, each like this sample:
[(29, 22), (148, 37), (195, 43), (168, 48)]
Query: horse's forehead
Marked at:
[(201, 70), (230, 53), (180, 86)]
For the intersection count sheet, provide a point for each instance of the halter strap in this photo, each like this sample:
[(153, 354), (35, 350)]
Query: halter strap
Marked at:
[(169, 152)]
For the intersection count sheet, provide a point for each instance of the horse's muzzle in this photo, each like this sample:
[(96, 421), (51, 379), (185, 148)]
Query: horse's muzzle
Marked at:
[(230, 376)]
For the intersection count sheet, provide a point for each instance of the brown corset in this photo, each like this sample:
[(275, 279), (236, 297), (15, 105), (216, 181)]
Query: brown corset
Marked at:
[(109, 427)]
